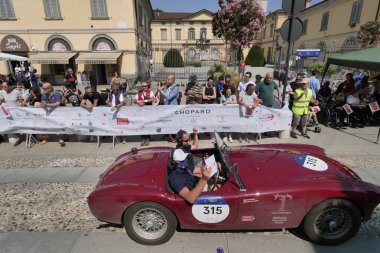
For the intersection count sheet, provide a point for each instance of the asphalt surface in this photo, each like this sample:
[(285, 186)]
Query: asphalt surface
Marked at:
[(54, 181)]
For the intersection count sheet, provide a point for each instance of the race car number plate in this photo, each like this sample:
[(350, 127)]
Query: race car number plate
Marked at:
[(210, 209)]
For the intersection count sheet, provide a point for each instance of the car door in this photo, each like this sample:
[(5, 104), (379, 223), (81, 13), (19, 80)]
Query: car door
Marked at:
[(213, 209)]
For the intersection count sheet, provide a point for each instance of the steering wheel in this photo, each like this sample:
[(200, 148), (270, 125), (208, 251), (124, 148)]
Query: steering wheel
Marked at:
[(216, 179)]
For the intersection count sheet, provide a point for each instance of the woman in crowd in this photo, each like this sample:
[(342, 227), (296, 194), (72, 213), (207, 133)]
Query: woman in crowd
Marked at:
[(116, 79), (248, 101), (228, 99), (209, 92), (144, 97)]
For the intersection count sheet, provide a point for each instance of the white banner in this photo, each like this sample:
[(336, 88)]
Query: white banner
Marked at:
[(102, 121)]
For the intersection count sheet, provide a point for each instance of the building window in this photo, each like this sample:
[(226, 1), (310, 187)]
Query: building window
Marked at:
[(271, 30), (203, 22), (203, 34), (191, 34), (178, 34), (178, 23), (164, 34), (304, 26), (325, 21), (99, 9), (265, 31), (52, 9), (103, 44), (191, 23), (140, 11), (269, 55), (58, 45), (6, 9), (356, 12)]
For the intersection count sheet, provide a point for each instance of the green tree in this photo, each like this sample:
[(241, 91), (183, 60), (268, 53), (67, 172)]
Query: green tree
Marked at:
[(173, 59), (255, 57)]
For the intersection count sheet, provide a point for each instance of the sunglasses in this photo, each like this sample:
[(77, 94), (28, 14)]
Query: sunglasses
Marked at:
[(144, 86), (186, 140), (45, 88)]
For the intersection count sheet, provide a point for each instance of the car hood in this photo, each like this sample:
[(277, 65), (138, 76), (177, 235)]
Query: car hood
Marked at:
[(136, 167), (277, 164)]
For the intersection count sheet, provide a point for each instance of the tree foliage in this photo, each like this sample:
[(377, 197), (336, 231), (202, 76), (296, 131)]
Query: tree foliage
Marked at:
[(239, 22), (173, 59), (369, 34), (255, 57)]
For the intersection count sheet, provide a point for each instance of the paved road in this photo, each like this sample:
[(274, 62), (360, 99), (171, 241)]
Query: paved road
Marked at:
[(56, 180)]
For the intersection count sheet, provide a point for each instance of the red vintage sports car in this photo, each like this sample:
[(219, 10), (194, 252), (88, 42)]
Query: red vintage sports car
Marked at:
[(259, 187)]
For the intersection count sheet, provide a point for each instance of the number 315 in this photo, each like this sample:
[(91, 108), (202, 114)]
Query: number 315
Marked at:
[(212, 210)]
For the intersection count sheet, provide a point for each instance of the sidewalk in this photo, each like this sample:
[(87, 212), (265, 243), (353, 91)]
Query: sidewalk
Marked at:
[(73, 242), (356, 142)]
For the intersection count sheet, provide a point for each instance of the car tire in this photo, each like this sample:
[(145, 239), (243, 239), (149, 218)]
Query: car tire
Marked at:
[(149, 223), (332, 222)]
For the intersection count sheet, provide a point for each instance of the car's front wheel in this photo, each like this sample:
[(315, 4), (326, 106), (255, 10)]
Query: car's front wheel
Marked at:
[(149, 223), (332, 222)]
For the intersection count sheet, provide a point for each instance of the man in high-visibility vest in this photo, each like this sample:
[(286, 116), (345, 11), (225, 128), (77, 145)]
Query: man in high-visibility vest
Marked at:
[(303, 96)]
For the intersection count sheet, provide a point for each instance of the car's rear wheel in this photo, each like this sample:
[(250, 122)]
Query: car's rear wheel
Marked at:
[(149, 223), (332, 222)]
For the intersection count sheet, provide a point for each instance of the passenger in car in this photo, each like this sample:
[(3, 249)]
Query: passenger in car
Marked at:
[(182, 176)]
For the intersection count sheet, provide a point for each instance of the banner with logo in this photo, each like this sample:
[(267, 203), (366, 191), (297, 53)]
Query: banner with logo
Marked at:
[(145, 120)]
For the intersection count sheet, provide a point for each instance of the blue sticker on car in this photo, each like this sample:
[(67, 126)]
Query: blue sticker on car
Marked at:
[(311, 162)]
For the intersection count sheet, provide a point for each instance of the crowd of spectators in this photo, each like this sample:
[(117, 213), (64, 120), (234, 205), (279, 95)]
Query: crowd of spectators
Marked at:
[(302, 96)]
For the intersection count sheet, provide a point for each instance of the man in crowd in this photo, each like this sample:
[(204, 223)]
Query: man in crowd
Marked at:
[(227, 84), (258, 78), (33, 78), (314, 84), (94, 97), (170, 91), (171, 94), (71, 95), (52, 99), (302, 98), (266, 89), (11, 98), (144, 97), (194, 94), (243, 84), (219, 88)]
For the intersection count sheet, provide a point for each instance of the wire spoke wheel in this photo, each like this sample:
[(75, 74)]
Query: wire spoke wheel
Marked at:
[(149, 224), (333, 223)]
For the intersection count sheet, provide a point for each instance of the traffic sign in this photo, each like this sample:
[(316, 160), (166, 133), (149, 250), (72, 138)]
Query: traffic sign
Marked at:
[(296, 31), (299, 5)]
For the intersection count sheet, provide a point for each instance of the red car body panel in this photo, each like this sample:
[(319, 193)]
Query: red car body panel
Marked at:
[(279, 191)]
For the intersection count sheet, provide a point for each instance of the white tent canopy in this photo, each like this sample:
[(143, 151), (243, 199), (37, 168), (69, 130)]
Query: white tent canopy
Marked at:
[(11, 57)]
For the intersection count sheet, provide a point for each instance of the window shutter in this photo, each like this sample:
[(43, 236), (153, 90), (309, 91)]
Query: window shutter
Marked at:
[(99, 8), (6, 9), (304, 26), (52, 9)]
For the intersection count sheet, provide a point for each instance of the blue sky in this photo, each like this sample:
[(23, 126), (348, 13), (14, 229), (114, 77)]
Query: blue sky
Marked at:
[(196, 5)]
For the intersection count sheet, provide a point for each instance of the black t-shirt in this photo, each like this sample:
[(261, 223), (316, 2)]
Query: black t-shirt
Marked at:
[(33, 100), (94, 96)]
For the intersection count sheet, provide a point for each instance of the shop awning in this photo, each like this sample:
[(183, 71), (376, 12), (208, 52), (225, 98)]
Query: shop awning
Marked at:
[(11, 57), (51, 57), (97, 58)]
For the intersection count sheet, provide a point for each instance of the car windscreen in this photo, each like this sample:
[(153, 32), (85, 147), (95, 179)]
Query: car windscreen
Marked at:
[(226, 161)]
